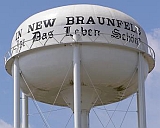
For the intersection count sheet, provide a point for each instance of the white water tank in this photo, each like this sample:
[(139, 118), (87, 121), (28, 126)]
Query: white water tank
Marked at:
[(109, 45)]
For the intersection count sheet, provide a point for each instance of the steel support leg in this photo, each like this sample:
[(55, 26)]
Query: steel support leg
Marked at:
[(16, 76), (24, 111), (77, 85), (85, 119), (141, 94)]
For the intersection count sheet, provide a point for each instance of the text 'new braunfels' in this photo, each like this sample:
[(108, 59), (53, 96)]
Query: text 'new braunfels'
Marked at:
[(35, 28), (116, 23)]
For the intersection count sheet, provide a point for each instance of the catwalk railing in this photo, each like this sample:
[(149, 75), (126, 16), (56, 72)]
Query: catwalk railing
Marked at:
[(26, 45)]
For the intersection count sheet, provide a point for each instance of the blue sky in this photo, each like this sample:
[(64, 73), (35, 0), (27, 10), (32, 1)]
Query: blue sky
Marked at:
[(13, 13)]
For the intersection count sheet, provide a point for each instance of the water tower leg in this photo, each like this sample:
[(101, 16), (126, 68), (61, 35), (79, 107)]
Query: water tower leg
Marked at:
[(24, 111), (77, 86), (85, 119), (16, 75), (141, 95)]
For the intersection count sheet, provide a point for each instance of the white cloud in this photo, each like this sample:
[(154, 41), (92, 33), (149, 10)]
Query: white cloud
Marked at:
[(3, 124), (154, 42), (152, 88)]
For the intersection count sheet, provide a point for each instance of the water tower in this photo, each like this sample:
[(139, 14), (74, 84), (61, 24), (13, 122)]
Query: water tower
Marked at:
[(79, 56)]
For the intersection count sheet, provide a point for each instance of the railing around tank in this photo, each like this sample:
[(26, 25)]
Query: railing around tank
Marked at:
[(108, 40)]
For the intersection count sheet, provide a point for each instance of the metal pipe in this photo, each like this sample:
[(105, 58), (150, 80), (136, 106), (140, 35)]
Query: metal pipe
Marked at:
[(141, 94), (16, 76), (85, 119), (77, 84), (24, 111)]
